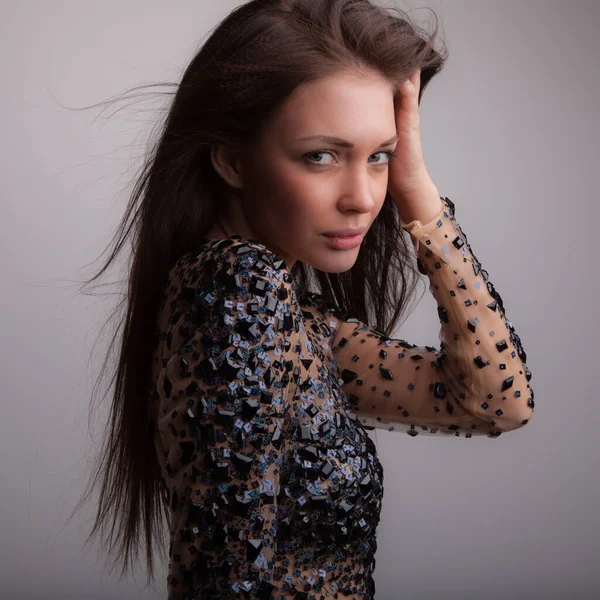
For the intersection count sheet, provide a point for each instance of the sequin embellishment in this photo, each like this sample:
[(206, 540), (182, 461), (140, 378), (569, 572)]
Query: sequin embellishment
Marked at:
[(263, 396)]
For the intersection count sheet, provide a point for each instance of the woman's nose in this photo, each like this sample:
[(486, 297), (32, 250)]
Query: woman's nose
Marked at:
[(361, 199)]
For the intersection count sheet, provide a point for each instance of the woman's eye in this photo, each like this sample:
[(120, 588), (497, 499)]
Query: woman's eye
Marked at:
[(315, 154), (389, 155)]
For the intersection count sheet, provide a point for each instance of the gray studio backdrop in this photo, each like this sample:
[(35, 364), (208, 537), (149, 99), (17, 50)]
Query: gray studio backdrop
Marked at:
[(510, 133)]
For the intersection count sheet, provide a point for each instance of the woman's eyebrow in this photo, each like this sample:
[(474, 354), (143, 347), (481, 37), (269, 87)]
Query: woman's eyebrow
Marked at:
[(343, 143)]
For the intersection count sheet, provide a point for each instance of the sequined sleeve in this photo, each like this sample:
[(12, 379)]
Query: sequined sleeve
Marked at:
[(475, 383), (222, 390)]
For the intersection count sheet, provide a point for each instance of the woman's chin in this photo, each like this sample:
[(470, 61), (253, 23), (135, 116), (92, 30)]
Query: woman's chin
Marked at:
[(333, 261)]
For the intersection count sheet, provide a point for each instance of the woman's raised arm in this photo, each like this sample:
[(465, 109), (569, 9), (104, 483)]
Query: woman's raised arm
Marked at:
[(476, 383)]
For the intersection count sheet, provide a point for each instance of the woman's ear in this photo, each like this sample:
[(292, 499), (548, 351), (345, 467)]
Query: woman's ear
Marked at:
[(228, 166)]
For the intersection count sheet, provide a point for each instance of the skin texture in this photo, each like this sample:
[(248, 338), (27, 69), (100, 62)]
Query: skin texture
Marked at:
[(289, 192)]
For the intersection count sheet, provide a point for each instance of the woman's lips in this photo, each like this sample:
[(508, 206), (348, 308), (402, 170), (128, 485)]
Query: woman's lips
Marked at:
[(344, 242)]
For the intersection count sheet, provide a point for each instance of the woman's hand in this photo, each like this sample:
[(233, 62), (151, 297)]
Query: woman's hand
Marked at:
[(409, 184)]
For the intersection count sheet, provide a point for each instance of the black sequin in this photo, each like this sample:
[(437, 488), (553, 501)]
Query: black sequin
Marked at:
[(263, 396)]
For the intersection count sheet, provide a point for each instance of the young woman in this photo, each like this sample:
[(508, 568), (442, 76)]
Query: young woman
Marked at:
[(273, 258)]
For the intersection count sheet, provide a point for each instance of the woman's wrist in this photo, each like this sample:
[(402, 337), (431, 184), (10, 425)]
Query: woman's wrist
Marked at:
[(425, 207)]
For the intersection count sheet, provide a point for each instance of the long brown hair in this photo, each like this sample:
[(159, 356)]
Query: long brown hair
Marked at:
[(250, 63)]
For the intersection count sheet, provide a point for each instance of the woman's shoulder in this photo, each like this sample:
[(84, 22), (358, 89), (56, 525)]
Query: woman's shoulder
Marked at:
[(246, 253), (228, 267), (219, 276)]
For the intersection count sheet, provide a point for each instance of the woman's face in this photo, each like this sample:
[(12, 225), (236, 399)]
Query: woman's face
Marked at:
[(294, 191)]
